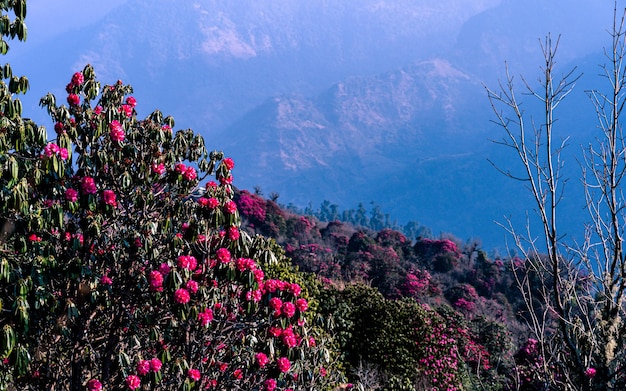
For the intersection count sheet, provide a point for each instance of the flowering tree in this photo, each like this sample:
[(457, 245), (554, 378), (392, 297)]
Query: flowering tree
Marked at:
[(119, 271)]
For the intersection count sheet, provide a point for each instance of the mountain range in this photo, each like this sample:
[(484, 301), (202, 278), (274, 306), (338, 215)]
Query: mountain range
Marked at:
[(346, 101)]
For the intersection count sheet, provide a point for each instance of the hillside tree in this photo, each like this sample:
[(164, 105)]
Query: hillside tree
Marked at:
[(574, 292)]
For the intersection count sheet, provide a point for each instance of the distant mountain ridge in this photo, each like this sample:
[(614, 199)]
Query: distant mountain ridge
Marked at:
[(376, 100)]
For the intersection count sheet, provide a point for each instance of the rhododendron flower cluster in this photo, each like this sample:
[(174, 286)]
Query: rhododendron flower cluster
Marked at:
[(133, 382), (189, 173), (116, 131), (71, 195), (52, 149), (94, 385), (109, 198), (88, 185)]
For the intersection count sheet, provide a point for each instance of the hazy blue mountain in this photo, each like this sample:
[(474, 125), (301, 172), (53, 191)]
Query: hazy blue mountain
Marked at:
[(369, 100)]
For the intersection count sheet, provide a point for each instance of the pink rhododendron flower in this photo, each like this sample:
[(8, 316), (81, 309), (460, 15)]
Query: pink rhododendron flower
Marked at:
[(190, 174), (182, 296), (211, 185), (109, 198), (238, 373), (88, 185), (233, 233), (180, 168), (59, 128), (98, 110), (73, 100), (116, 131), (261, 359), (192, 286), (71, 195), (294, 289), (205, 317), (226, 180), (133, 382), (166, 128), (187, 262), (229, 163), (289, 309), (275, 331), (276, 303), (223, 255), (156, 281), (94, 385), (164, 268), (270, 385), (590, 372), (34, 238), (158, 169), (78, 79), (106, 280), (155, 365), (127, 110), (52, 149), (283, 364), (230, 207), (194, 374), (213, 203), (143, 367), (290, 339), (131, 101), (302, 305)]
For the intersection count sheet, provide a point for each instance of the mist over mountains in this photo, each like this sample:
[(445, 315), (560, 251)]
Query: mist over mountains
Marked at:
[(348, 101)]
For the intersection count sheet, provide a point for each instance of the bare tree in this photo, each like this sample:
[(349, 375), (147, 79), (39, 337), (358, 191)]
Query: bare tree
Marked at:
[(574, 292)]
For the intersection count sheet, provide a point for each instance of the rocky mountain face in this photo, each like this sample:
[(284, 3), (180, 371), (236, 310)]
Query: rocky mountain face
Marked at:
[(349, 101)]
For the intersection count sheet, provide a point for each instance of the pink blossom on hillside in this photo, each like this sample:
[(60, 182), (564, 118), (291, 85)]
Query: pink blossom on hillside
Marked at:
[(73, 100), (194, 374), (78, 79), (289, 309), (302, 305), (229, 163), (187, 262), (155, 365), (143, 367), (116, 131), (71, 195), (127, 110), (109, 198), (182, 296), (230, 207), (205, 317), (270, 385), (94, 385), (190, 174), (88, 185), (59, 128), (261, 359), (158, 168), (283, 364), (133, 382)]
